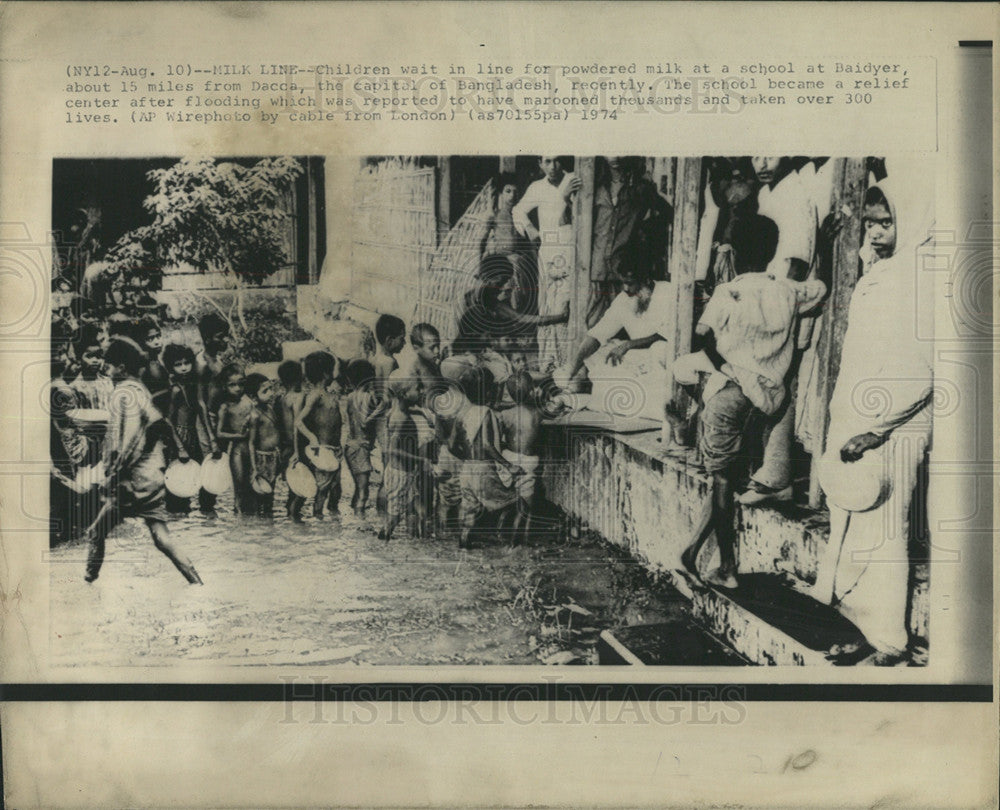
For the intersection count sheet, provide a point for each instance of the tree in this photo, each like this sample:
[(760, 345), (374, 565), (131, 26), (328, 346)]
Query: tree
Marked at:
[(215, 217)]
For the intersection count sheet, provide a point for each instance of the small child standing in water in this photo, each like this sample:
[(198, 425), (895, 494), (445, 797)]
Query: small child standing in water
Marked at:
[(234, 429), (403, 459), (264, 442), (286, 410), (520, 426), (320, 424), (476, 441), (390, 335), (362, 406), (188, 414)]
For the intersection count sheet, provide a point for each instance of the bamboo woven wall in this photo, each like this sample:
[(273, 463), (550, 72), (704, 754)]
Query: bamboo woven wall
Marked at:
[(452, 269), (395, 235)]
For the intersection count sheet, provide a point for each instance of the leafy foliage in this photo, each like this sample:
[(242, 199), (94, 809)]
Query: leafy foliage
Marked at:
[(262, 339), (213, 216)]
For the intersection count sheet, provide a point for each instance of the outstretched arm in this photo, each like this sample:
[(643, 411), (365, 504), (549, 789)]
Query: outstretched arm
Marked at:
[(587, 348), (617, 354)]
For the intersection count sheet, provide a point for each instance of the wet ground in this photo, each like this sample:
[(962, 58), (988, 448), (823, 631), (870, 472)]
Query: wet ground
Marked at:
[(329, 592)]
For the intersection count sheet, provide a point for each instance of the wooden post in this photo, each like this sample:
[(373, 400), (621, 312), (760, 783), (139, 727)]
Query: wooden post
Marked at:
[(849, 186), (683, 249), (312, 257), (444, 197), (665, 177), (583, 221)]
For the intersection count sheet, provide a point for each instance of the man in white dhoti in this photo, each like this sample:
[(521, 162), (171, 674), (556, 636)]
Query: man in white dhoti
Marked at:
[(550, 199)]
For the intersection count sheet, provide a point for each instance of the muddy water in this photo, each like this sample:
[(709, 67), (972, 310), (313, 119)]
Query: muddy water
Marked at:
[(329, 592)]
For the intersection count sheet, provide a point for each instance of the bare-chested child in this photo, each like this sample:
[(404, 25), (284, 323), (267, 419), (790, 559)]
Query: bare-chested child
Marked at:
[(264, 442), (426, 371), (320, 424), (403, 460), (520, 426), (286, 409), (475, 439), (232, 433), (362, 406), (390, 335)]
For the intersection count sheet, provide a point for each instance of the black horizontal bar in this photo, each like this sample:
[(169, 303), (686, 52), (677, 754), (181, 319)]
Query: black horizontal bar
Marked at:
[(311, 688), (975, 43)]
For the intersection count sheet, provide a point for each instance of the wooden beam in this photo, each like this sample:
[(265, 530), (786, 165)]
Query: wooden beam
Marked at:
[(849, 185), (664, 177), (444, 197), (312, 256), (583, 220), (683, 248)]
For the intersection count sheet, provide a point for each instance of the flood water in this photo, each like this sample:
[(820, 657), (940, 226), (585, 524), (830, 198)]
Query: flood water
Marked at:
[(329, 592)]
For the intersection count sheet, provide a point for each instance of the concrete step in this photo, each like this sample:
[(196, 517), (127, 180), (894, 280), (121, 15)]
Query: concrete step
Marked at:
[(766, 621), (784, 539), (790, 540), (673, 643)]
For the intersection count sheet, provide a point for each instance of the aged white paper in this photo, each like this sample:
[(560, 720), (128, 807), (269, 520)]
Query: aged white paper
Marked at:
[(344, 81)]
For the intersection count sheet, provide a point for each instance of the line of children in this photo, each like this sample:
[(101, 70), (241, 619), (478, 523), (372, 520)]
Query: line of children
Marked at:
[(437, 467)]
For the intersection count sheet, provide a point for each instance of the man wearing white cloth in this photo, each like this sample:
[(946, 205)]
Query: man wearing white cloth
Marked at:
[(641, 361), (550, 199)]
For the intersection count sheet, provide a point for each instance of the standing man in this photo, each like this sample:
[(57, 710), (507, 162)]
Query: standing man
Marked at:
[(550, 199), (789, 198), (630, 220)]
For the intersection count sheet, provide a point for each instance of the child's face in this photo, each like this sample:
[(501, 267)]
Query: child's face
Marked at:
[(881, 229), (182, 368), (216, 344), (92, 358), (265, 393), (154, 340), (507, 194), (103, 337), (394, 345), (430, 352), (117, 373), (519, 361), (234, 387)]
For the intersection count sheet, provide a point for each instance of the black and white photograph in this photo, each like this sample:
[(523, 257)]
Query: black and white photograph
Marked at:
[(491, 410), (498, 404)]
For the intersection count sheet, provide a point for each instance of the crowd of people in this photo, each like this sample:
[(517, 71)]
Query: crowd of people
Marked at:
[(452, 434)]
